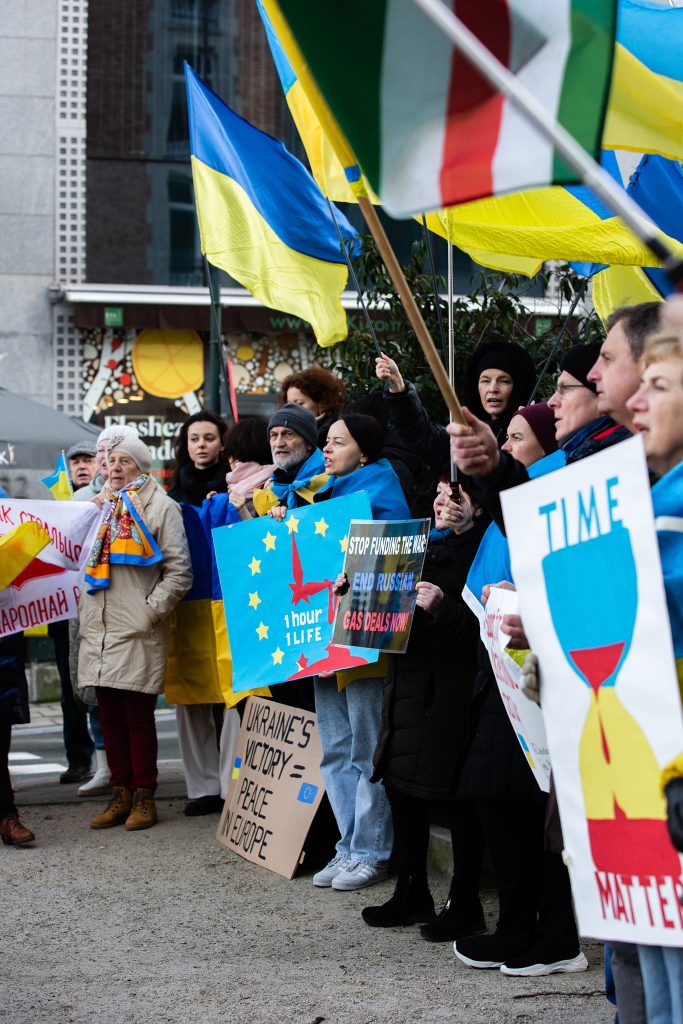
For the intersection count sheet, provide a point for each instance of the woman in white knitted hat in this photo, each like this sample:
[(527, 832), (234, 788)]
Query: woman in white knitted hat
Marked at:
[(138, 570)]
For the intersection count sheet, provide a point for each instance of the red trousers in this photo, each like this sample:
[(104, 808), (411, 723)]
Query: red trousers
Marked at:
[(130, 736)]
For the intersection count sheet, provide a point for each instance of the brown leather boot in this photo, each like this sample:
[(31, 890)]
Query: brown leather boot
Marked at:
[(144, 812), (117, 810), (14, 833)]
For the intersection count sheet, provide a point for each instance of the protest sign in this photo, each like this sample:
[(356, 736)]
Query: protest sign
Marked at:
[(276, 786), (48, 589), (277, 580), (525, 717), (383, 563), (586, 565)]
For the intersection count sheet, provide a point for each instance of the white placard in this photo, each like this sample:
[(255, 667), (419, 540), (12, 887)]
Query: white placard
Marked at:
[(49, 588), (526, 718), (586, 565)]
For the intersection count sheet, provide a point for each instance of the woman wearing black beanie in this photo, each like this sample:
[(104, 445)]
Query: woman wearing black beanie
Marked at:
[(500, 378)]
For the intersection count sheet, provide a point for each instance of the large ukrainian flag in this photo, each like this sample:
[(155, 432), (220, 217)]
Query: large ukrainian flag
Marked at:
[(263, 219)]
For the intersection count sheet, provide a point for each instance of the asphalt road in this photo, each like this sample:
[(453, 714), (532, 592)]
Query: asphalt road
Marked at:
[(38, 752)]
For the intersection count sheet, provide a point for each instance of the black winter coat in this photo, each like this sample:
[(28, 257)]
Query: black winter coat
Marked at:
[(14, 706), (194, 484), (495, 767), (428, 690)]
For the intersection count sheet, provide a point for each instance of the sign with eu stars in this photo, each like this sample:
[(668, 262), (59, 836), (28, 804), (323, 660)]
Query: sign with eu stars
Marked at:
[(277, 580)]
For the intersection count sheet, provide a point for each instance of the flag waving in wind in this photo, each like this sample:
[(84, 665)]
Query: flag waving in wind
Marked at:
[(59, 481), (427, 128), (263, 219)]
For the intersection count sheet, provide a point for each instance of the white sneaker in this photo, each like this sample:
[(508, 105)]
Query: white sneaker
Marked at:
[(324, 878), (357, 876), (99, 784)]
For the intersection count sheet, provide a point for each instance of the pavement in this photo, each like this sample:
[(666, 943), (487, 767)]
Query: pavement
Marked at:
[(168, 926)]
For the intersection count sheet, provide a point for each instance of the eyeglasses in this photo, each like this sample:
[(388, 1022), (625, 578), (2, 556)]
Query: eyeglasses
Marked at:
[(562, 389)]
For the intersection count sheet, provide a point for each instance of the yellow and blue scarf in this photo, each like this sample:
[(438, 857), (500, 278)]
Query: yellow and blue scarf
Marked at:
[(123, 537)]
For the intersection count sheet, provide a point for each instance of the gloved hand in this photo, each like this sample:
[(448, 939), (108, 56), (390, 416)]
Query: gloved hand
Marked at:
[(674, 811), (531, 687)]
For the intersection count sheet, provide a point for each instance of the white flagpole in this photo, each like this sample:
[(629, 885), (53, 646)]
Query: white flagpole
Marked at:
[(591, 173)]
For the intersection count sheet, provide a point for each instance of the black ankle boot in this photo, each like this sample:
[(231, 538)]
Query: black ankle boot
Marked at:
[(451, 923), (411, 903)]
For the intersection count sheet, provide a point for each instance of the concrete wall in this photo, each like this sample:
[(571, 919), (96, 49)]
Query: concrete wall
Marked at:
[(28, 32)]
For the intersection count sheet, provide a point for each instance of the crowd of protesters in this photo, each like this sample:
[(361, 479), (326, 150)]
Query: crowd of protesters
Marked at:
[(422, 730)]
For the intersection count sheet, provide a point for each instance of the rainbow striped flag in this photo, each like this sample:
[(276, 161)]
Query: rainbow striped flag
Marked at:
[(428, 130), (59, 481)]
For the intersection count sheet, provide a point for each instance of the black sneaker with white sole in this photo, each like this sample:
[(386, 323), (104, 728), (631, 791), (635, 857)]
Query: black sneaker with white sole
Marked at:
[(538, 962)]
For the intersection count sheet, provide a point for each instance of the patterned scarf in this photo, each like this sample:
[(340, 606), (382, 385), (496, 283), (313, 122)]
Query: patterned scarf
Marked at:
[(123, 537), (309, 478)]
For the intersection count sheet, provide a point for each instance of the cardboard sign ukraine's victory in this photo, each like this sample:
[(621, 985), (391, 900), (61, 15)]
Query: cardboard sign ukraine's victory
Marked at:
[(586, 564), (277, 580)]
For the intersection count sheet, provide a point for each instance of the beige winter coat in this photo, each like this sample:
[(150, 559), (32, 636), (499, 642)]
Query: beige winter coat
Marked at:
[(124, 629)]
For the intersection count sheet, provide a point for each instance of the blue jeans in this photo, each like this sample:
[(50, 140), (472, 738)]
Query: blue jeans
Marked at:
[(662, 970), (348, 724)]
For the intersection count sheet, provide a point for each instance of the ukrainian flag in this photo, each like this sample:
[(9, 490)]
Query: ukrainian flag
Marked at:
[(59, 482), (199, 662), (657, 186), (645, 109), (262, 219), (326, 147)]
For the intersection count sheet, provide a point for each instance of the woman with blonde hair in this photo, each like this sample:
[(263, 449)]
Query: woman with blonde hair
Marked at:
[(657, 410)]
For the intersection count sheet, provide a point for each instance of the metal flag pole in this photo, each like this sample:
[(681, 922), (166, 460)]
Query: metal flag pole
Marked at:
[(352, 275), (591, 173), (435, 287)]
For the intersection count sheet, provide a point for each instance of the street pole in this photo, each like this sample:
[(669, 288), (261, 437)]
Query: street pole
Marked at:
[(212, 388)]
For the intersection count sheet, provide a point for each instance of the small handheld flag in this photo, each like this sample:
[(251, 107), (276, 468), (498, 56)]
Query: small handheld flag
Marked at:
[(59, 482)]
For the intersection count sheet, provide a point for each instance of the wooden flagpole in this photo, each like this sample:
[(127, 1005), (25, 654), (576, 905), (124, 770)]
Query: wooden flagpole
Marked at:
[(414, 316)]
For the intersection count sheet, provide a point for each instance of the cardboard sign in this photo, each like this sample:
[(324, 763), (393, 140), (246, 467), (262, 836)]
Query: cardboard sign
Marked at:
[(49, 588), (276, 786), (277, 580), (586, 564), (383, 563), (526, 718)]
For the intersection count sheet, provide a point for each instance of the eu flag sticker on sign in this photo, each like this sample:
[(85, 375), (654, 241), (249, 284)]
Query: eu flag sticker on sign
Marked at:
[(307, 793), (278, 592)]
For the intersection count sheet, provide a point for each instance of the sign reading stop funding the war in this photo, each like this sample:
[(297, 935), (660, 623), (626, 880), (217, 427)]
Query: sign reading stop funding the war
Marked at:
[(276, 786), (383, 565)]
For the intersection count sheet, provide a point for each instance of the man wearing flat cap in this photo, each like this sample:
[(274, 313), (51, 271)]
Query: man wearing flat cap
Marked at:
[(81, 460)]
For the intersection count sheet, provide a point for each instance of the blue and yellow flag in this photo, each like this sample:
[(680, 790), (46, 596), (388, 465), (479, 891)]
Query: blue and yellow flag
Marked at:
[(657, 186), (59, 481), (645, 109), (262, 218)]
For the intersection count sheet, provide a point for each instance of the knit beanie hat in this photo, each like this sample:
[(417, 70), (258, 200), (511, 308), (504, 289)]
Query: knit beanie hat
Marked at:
[(116, 430), (298, 419), (367, 432), (542, 421), (580, 360), (133, 446)]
